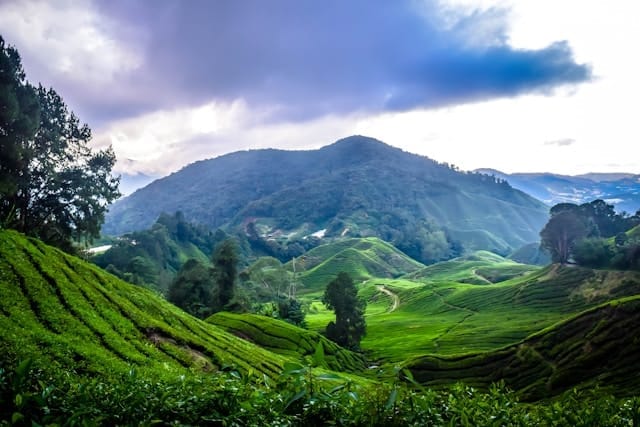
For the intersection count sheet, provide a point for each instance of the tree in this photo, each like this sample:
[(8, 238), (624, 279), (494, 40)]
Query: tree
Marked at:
[(563, 230), (52, 186), (341, 296), (225, 261), (192, 290)]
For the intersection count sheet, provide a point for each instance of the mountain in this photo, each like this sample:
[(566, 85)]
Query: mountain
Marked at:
[(356, 187), (619, 189)]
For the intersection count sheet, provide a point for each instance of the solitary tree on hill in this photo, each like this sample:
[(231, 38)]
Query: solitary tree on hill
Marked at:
[(341, 296), (225, 262), (192, 289)]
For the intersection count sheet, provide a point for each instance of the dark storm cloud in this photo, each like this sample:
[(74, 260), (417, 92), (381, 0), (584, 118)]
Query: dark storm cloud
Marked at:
[(309, 58)]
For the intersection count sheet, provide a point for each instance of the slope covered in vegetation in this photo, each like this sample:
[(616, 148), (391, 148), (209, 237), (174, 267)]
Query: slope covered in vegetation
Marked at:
[(437, 315), (284, 338), (361, 258), (598, 346), (65, 312)]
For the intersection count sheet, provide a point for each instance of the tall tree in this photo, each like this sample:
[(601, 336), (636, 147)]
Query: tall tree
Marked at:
[(192, 289), (341, 296), (225, 264), (559, 235), (52, 185)]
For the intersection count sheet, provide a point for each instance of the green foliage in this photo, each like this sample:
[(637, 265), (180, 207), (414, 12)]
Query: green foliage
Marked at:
[(63, 312), (52, 185), (152, 258), (570, 224), (192, 290), (341, 296), (286, 339), (298, 397), (225, 269)]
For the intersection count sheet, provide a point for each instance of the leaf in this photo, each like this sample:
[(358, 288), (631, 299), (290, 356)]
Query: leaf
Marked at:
[(23, 368), (295, 398), (328, 377), (291, 368), (391, 401), (318, 355)]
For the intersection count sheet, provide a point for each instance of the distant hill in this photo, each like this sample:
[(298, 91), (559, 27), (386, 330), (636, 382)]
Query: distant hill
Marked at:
[(356, 187), (619, 189), (479, 268), (362, 258)]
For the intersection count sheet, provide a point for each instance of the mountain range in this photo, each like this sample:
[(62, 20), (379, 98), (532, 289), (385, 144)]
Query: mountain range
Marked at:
[(356, 187), (619, 189)]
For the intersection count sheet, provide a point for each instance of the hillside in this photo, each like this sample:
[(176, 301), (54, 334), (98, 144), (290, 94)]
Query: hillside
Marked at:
[(437, 315), (361, 258), (152, 257), (355, 187), (284, 338), (62, 311), (593, 347), (480, 268)]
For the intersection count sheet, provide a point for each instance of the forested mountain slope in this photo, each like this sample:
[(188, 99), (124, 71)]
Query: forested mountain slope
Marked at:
[(357, 186)]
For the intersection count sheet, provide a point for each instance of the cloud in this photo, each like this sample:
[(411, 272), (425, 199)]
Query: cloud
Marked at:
[(69, 46), (565, 142), (299, 60)]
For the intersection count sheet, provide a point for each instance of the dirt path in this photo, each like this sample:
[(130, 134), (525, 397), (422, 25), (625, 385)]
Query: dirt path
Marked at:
[(394, 297)]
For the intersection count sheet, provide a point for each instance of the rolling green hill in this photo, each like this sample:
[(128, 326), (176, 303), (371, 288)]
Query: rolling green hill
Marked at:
[(356, 187), (65, 312), (289, 340), (361, 258), (480, 268), (598, 346), (438, 315)]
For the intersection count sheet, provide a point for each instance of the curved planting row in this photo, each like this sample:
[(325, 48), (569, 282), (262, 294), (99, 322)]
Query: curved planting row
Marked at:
[(70, 313), (597, 346)]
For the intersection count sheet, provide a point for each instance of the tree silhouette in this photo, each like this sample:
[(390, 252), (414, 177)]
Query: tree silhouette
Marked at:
[(341, 296)]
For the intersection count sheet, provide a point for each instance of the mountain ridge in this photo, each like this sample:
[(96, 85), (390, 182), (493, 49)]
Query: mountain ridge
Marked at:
[(355, 187)]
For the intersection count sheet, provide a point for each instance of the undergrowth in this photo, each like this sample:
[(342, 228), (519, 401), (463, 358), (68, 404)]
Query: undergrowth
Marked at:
[(300, 396)]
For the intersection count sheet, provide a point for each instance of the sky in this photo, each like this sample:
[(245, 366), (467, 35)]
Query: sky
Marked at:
[(518, 86)]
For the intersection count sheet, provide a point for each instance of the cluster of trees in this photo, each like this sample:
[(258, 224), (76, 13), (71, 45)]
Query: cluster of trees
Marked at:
[(202, 290), (152, 257), (52, 185), (592, 234)]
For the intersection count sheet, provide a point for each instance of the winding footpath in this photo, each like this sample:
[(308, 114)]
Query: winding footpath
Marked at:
[(394, 297)]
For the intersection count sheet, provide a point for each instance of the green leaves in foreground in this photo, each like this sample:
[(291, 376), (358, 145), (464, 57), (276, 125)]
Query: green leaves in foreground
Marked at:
[(299, 397)]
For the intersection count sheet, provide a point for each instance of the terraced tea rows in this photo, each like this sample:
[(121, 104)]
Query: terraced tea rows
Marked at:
[(70, 313), (596, 346), (286, 339)]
